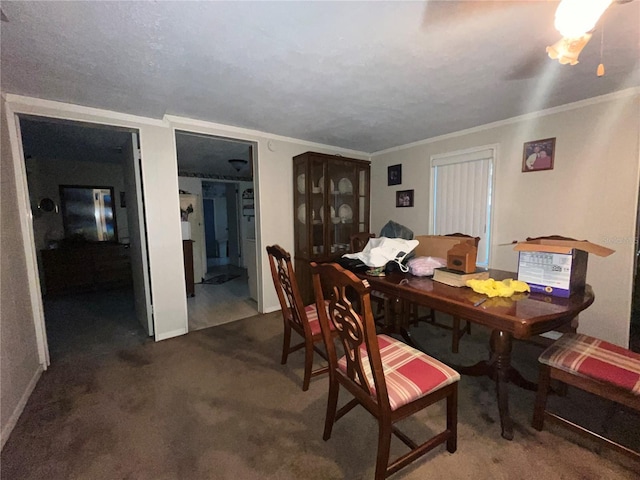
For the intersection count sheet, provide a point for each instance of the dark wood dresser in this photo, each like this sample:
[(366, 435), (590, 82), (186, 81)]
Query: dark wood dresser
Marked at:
[(86, 267)]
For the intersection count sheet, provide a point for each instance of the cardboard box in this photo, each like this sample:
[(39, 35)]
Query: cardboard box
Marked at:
[(556, 266), (437, 245)]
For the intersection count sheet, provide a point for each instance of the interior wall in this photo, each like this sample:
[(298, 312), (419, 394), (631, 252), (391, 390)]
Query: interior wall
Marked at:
[(18, 347), (591, 193)]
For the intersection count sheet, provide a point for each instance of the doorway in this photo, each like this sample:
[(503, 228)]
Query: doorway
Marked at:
[(213, 174), (95, 288)]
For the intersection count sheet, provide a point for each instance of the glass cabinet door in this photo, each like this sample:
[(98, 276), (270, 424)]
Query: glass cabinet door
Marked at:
[(363, 199), (317, 195), (343, 205), (301, 209)]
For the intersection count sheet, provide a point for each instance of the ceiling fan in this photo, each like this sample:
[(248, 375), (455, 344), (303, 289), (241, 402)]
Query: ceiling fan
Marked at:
[(576, 21)]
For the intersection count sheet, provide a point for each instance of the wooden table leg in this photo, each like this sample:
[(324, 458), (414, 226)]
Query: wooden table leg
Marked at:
[(501, 344)]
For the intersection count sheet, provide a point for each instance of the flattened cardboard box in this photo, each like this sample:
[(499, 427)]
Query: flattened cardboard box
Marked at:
[(556, 267)]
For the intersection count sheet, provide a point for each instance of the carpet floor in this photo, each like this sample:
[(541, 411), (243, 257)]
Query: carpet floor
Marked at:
[(217, 404)]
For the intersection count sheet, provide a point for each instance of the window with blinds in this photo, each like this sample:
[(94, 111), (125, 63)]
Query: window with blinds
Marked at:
[(461, 191)]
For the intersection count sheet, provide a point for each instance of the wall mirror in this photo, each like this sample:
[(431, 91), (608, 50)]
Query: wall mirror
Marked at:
[(88, 213)]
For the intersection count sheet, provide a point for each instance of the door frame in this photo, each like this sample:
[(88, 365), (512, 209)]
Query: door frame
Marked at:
[(13, 111)]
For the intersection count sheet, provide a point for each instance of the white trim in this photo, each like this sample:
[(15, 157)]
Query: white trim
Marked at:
[(8, 427), (26, 227), (52, 109), (272, 309), (528, 116), (251, 134), (171, 334)]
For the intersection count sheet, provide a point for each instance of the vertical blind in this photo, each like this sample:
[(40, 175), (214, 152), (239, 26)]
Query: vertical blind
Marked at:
[(462, 196)]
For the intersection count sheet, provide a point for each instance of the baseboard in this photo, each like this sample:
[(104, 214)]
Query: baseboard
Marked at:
[(13, 419), (171, 334)]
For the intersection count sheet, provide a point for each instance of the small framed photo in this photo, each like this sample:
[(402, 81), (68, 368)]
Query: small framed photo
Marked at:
[(404, 198), (394, 175), (538, 155)]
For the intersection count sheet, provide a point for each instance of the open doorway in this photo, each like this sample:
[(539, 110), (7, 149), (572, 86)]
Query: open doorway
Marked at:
[(215, 179), (88, 222)]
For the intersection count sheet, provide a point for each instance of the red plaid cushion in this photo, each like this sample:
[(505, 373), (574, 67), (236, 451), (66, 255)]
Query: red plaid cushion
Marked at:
[(409, 373), (594, 358), (312, 317)]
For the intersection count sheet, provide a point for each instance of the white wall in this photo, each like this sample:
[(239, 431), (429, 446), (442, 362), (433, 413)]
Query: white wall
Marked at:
[(19, 358), (591, 193)]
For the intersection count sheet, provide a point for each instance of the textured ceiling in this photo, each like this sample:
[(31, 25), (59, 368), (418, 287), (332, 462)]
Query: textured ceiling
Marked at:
[(361, 75)]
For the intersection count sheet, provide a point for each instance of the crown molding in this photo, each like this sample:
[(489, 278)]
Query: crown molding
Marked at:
[(629, 92), (206, 127), (69, 111)]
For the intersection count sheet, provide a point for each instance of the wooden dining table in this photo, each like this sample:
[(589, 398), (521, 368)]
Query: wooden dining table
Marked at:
[(520, 316)]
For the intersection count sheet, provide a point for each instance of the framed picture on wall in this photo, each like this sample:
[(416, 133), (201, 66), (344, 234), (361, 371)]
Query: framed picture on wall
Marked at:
[(394, 175), (538, 155), (404, 198)]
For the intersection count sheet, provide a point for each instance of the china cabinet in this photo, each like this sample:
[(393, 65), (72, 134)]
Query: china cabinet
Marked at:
[(331, 202)]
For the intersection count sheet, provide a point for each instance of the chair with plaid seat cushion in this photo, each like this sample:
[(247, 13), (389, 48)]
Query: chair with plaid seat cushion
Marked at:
[(595, 366), (295, 315), (387, 377)]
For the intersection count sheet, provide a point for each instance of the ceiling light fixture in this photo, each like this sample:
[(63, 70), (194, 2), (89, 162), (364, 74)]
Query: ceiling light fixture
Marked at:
[(238, 163), (575, 19)]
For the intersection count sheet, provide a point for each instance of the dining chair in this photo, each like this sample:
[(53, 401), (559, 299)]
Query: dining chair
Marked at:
[(390, 379), (359, 240), (455, 326), (303, 319)]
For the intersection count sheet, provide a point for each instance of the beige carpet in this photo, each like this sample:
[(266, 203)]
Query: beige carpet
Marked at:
[(216, 404)]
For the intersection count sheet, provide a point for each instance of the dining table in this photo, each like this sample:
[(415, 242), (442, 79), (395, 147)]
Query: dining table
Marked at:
[(521, 316)]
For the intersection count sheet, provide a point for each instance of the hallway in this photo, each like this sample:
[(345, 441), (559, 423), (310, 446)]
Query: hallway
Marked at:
[(222, 298)]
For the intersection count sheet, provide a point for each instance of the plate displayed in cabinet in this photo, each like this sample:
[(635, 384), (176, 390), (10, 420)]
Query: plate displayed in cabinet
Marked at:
[(345, 186), (301, 186), (345, 213), (333, 213), (332, 186), (302, 213)]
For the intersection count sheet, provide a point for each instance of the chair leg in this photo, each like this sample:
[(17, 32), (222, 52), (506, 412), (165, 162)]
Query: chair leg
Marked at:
[(308, 364), (452, 419), (286, 343), (544, 379), (332, 405), (384, 446)]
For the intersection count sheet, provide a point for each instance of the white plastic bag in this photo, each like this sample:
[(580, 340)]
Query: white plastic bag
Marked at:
[(382, 250)]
